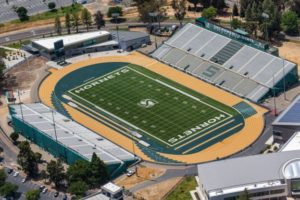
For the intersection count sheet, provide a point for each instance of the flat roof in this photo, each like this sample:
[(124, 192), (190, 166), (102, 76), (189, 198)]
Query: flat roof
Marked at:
[(291, 115), (111, 188), (250, 171), (292, 144), (97, 196), (48, 43), (129, 35), (71, 134)]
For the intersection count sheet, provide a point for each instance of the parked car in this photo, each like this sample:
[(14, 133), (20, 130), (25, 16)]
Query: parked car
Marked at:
[(44, 190), (23, 180), (56, 194), (130, 172), (42, 187), (16, 174), (9, 170)]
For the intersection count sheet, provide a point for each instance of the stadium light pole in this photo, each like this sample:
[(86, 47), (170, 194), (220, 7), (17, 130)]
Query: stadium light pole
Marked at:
[(133, 150), (266, 17), (115, 16), (20, 103), (152, 15), (284, 84), (274, 99), (54, 126)]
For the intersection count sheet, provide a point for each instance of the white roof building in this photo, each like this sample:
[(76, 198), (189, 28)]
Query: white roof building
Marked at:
[(264, 176), (48, 43)]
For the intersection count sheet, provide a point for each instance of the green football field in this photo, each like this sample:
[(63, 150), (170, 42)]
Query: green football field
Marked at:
[(151, 105)]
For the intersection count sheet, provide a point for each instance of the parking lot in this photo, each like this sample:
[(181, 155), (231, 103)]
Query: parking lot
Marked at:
[(7, 12), (28, 185)]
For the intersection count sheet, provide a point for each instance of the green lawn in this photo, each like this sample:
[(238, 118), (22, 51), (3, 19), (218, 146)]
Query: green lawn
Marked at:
[(18, 45), (152, 105), (182, 191)]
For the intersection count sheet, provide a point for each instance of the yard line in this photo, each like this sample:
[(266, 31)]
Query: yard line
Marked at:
[(189, 150), (180, 91), (128, 123), (166, 85), (200, 136)]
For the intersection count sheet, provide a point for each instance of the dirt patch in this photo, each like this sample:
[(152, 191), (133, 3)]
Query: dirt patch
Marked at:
[(157, 191), (23, 75), (290, 51), (143, 174)]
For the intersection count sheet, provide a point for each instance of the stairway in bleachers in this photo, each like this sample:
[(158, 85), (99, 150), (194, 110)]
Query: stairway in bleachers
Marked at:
[(227, 52)]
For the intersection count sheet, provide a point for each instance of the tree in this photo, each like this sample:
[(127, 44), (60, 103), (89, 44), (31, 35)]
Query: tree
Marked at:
[(219, 5), (68, 24), (51, 6), (99, 173), (2, 68), (243, 6), (151, 6), (248, 13), (27, 160), (179, 7), (22, 13), (205, 3), (78, 188), (8, 189), (115, 9), (235, 23), (14, 136), (32, 194), (75, 21), (209, 13), (235, 10), (289, 23), (38, 157), (56, 172), (57, 25), (99, 19), (86, 18), (271, 25), (79, 171), (244, 195), (43, 174), (2, 177)]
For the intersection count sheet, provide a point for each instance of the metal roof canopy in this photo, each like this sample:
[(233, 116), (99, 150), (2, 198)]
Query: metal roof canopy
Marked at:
[(291, 115), (246, 170), (70, 133)]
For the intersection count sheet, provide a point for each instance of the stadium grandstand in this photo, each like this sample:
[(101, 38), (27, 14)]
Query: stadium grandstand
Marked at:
[(228, 63), (65, 138)]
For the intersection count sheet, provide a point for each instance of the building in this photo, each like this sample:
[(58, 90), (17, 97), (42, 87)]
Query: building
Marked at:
[(265, 176), (108, 191), (66, 139), (236, 63), (81, 43), (73, 44), (288, 122)]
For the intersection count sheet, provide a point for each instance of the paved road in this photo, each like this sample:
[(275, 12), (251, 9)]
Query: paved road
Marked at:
[(10, 157), (39, 32), (170, 173), (7, 12)]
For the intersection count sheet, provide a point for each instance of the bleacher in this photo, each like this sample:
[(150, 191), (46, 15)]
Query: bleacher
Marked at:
[(227, 63)]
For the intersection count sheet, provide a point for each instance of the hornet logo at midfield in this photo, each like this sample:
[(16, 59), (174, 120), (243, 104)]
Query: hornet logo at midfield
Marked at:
[(147, 103)]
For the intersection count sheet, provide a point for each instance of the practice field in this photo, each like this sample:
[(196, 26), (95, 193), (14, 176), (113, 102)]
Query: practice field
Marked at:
[(159, 118)]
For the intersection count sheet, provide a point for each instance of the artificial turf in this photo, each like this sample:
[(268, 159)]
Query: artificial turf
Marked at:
[(151, 104)]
